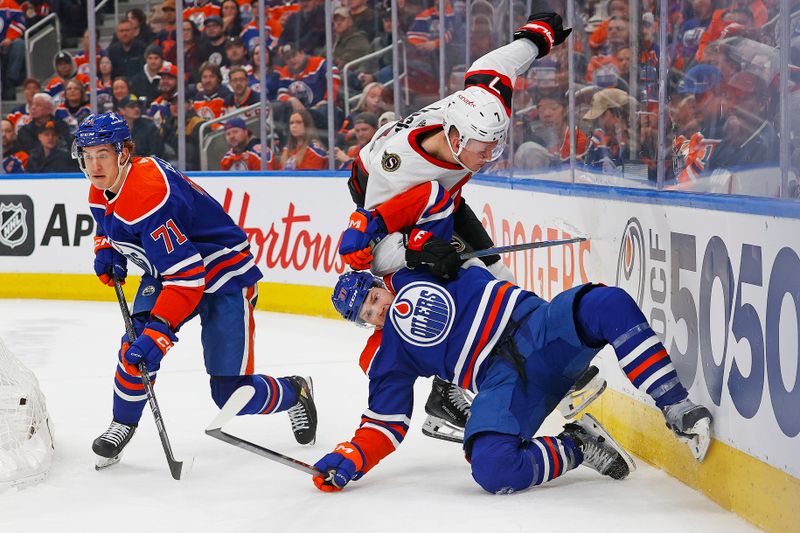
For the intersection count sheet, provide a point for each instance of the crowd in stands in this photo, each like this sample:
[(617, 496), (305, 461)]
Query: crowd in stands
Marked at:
[(722, 82), (721, 98)]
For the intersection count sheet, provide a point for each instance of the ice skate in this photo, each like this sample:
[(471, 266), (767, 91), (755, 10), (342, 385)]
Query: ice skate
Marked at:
[(110, 444), (448, 410), (600, 451), (586, 390), (691, 423), (303, 414)]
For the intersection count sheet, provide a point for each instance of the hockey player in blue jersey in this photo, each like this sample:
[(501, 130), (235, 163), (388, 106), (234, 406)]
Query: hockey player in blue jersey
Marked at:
[(447, 142), (196, 261), (519, 353)]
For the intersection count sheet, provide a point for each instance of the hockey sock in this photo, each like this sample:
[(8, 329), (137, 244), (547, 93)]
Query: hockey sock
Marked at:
[(610, 315), (502, 463), (272, 394), (129, 396)]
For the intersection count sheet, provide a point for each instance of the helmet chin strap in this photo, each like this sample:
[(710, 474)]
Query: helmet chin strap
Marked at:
[(458, 153)]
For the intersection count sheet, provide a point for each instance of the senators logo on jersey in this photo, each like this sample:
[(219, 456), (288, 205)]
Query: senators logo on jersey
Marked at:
[(423, 313), (390, 162)]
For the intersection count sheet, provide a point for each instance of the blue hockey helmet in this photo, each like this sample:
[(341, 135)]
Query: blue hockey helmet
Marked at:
[(350, 292), (105, 128)]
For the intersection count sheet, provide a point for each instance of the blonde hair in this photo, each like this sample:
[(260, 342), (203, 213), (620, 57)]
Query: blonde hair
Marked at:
[(362, 100)]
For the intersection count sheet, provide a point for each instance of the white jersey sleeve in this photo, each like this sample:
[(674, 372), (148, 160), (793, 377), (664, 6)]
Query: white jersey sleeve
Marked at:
[(396, 161)]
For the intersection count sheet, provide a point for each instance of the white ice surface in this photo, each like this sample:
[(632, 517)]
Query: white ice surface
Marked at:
[(424, 486)]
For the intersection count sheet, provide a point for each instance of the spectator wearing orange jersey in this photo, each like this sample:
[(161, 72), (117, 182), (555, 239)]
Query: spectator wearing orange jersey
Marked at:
[(599, 37), (719, 22), (20, 115), (66, 69), (200, 11), (303, 151), (82, 56), (214, 98), (245, 150)]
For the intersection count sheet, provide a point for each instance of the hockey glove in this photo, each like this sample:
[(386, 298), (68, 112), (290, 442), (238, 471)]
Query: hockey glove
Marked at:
[(108, 262), (423, 248), (545, 30), (151, 346), (339, 467), (363, 230)]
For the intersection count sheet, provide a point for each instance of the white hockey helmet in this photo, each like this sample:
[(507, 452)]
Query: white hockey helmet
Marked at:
[(477, 115)]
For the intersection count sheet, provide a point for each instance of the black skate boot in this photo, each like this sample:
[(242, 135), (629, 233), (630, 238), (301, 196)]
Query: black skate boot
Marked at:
[(586, 390), (110, 444), (303, 414), (600, 451), (691, 423), (448, 410)]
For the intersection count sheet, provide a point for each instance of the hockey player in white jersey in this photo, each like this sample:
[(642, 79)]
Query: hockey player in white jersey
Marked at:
[(447, 142)]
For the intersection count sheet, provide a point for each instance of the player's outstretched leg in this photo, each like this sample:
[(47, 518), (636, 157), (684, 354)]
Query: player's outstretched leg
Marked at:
[(303, 414), (600, 451), (110, 444), (448, 410), (610, 315), (272, 395)]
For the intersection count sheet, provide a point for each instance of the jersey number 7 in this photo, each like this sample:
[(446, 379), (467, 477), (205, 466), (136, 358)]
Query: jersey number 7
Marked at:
[(164, 230)]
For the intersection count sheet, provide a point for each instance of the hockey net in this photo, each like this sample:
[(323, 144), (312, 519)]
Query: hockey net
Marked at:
[(26, 439)]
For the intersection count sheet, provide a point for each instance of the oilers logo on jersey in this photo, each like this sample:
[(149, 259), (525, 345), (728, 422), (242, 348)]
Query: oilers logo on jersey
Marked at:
[(136, 255), (423, 313)]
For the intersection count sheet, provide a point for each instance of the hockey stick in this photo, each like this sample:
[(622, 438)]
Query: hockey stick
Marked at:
[(235, 403), (518, 247), (175, 467)]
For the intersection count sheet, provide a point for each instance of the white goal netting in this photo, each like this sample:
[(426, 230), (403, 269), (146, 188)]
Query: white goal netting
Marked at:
[(26, 439)]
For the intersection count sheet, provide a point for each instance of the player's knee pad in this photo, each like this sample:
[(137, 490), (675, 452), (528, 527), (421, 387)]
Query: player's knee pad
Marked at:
[(603, 313), (223, 386), (498, 464)]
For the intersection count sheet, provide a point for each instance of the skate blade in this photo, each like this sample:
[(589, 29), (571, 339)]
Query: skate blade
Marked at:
[(698, 439), (442, 430), (576, 401), (104, 462), (605, 434)]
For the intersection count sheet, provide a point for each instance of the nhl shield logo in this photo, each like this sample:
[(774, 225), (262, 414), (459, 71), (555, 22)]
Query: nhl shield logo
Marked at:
[(13, 226), (423, 313)]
